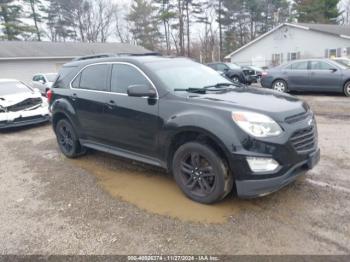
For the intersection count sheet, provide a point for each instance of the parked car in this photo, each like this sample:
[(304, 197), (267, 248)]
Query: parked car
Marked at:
[(43, 82), (255, 71), (343, 61), (21, 105), (186, 118), (322, 75), (234, 72)]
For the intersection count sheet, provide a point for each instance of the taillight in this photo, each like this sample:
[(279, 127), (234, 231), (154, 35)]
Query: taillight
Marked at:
[(264, 73), (49, 95)]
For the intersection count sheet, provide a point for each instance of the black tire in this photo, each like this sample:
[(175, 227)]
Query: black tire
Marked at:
[(280, 85), (347, 89), (68, 140), (201, 173), (235, 79)]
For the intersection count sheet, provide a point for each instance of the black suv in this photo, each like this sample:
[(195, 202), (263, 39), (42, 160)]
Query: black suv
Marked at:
[(185, 117)]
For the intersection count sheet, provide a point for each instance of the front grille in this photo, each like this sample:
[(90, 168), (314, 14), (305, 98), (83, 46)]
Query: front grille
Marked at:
[(305, 140), (297, 118), (25, 104)]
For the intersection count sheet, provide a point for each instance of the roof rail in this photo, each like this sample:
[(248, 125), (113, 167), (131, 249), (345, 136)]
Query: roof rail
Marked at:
[(96, 56)]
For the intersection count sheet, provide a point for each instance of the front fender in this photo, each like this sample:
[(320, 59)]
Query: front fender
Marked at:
[(219, 128)]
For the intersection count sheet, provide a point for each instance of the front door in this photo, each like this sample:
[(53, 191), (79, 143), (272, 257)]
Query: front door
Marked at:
[(132, 122), (325, 77)]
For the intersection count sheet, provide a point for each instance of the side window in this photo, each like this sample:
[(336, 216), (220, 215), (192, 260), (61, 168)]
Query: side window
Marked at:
[(221, 67), (299, 66), (318, 65), (42, 78), (94, 78), (76, 82), (124, 76), (36, 78)]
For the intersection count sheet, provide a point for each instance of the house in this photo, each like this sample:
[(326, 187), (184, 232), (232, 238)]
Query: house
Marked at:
[(289, 42), (21, 60)]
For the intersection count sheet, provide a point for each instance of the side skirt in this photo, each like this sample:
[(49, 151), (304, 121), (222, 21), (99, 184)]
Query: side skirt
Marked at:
[(123, 153)]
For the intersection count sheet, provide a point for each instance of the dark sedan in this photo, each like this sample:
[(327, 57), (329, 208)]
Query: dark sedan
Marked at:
[(321, 75), (235, 73)]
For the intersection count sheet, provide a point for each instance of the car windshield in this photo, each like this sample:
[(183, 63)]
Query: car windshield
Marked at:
[(12, 87), (183, 74), (343, 62), (233, 66), (51, 77)]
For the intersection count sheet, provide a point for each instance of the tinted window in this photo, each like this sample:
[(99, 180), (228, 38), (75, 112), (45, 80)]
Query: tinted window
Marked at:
[(299, 66), (8, 88), (36, 78), (76, 82), (94, 78), (221, 67), (318, 65), (124, 76), (214, 66)]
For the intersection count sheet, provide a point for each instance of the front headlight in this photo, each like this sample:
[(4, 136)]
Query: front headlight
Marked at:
[(257, 125)]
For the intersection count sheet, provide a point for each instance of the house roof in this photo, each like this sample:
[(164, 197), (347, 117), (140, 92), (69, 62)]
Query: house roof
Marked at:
[(54, 50), (342, 31)]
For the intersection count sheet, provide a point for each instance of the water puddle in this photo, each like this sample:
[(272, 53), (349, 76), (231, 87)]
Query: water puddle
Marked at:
[(152, 190)]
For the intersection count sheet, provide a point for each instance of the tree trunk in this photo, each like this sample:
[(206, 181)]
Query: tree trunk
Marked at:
[(35, 19), (188, 29)]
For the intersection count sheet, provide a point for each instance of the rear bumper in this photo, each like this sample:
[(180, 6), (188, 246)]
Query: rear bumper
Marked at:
[(262, 187)]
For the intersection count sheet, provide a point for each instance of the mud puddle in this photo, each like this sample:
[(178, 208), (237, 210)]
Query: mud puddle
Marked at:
[(153, 190)]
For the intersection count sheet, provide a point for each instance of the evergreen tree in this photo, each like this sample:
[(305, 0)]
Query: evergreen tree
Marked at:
[(10, 17), (144, 24), (317, 11), (35, 7)]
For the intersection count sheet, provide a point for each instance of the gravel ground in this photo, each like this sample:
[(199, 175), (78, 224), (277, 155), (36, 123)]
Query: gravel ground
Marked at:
[(101, 204)]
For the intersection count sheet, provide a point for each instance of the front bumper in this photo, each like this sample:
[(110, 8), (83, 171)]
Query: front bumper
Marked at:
[(262, 187), (24, 118)]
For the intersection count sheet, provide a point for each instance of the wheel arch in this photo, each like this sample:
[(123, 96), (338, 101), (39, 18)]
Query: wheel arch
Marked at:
[(190, 133)]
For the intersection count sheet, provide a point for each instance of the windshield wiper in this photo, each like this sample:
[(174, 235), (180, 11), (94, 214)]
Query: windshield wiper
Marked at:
[(203, 90), (219, 85), (191, 90)]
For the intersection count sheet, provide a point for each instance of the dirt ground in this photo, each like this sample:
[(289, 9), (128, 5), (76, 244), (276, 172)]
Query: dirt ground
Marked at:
[(101, 204)]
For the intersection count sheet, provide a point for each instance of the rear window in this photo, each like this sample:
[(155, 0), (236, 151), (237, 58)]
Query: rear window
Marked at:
[(10, 88)]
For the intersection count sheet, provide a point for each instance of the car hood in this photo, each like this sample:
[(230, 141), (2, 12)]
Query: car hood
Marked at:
[(272, 103), (13, 99)]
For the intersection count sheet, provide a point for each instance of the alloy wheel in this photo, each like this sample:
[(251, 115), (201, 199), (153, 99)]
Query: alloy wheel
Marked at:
[(198, 174), (65, 138), (279, 86)]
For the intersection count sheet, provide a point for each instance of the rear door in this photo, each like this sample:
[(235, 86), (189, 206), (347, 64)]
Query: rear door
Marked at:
[(325, 77), (132, 123), (298, 75), (90, 92)]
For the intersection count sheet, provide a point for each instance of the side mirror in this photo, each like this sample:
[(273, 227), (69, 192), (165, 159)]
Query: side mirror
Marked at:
[(333, 70), (41, 81), (226, 69), (141, 91)]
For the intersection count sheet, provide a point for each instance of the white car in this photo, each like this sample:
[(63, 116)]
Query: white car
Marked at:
[(21, 105), (44, 82)]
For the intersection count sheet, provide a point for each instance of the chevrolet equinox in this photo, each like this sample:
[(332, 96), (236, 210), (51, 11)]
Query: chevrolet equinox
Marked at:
[(210, 134)]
